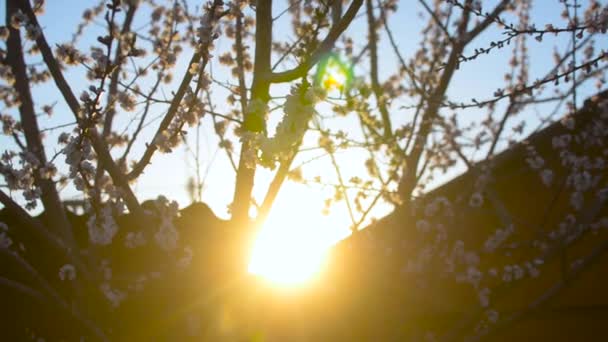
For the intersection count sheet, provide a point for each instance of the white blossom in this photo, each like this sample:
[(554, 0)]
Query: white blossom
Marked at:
[(135, 239), (186, 260), (535, 162), (476, 200), (167, 235), (546, 177), (4, 33), (500, 235), (299, 108), (484, 297), (18, 19), (115, 296), (576, 200), (492, 316), (67, 272), (102, 229)]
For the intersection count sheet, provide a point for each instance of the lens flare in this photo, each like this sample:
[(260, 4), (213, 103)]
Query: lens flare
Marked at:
[(333, 74)]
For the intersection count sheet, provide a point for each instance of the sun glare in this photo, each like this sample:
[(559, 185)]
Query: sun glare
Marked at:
[(292, 247), (287, 256)]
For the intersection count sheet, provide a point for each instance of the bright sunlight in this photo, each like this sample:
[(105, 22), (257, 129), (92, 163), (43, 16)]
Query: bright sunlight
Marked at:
[(287, 256), (292, 247)]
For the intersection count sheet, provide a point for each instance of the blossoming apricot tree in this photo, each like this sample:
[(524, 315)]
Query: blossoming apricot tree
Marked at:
[(402, 125)]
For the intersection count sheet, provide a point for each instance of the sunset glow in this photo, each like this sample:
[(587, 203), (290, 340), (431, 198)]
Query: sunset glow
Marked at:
[(287, 256), (291, 248)]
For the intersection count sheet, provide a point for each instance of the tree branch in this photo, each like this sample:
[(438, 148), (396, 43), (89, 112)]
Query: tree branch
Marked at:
[(324, 47), (51, 292), (373, 60), (49, 196), (254, 121), (98, 144)]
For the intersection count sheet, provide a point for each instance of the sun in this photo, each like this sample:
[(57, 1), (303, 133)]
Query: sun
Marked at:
[(292, 246), (287, 256)]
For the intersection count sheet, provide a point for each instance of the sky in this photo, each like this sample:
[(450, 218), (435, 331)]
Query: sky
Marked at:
[(297, 205)]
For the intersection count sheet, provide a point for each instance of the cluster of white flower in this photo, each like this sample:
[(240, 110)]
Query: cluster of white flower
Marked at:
[(517, 272), (67, 272), (439, 204), (483, 326), (126, 101), (102, 229), (419, 264), (192, 109), (69, 55), (166, 140), (185, 260), (256, 111), (207, 29), (78, 156), (561, 141), (567, 230), (18, 19), (492, 316), (584, 172), (457, 252), (101, 62), (6, 74), (582, 181), (9, 124), (512, 272), (32, 31), (469, 260), (476, 200), (115, 296), (546, 176), (167, 235), (484, 297), (472, 275), (534, 160), (105, 269), (4, 33), (21, 178), (577, 200), (500, 235), (127, 46), (135, 239), (531, 267), (299, 108)]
